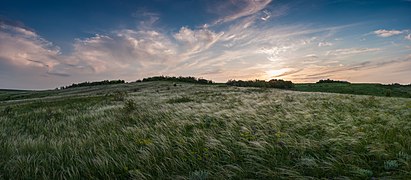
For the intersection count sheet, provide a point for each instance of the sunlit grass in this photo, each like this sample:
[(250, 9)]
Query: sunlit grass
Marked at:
[(157, 130)]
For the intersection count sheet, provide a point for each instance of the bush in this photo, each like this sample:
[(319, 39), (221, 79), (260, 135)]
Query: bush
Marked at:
[(130, 105), (279, 83), (179, 100), (7, 110), (388, 93), (117, 95)]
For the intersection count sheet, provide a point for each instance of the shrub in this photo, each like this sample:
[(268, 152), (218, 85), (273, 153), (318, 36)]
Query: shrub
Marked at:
[(388, 93), (179, 100), (289, 98), (117, 95), (130, 105), (7, 110), (279, 83)]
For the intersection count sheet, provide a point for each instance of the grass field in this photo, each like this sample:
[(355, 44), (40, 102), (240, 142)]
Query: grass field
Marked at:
[(154, 130), (357, 88)]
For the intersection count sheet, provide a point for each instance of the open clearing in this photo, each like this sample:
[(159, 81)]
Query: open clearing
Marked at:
[(154, 130)]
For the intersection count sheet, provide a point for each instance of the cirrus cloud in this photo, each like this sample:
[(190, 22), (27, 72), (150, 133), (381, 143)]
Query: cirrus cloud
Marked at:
[(195, 41), (351, 51), (240, 8)]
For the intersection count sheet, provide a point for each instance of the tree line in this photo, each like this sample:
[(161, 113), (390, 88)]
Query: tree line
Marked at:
[(95, 83), (188, 79), (273, 83), (332, 81)]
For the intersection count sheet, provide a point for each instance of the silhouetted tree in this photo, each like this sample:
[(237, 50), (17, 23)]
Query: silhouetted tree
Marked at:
[(273, 83), (96, 83), (188, 79), (332, 81)]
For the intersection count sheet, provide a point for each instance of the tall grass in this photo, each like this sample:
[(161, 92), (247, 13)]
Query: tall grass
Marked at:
[(199, 132)]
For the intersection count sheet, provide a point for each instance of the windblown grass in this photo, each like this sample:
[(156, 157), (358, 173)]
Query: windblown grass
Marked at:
[(157, 130), (357, 88)]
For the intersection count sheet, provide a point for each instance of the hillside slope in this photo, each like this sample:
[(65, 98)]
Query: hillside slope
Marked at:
[(155, 130), (357, 88)]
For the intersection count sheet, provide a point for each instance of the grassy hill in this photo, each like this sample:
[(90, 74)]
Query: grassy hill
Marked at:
[(357, 88), (154, 130)]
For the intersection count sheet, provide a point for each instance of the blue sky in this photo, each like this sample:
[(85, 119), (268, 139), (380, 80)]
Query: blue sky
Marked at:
[(46, 44)]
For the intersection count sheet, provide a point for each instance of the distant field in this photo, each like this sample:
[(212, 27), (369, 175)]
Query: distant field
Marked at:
[(359, 89), (154, 130)]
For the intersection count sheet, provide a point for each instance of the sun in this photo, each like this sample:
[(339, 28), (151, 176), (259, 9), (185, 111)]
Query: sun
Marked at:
[(276, 73)]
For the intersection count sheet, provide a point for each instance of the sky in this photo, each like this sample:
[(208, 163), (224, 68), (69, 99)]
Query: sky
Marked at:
[(46, 44)]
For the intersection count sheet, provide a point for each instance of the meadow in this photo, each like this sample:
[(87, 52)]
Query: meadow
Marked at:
[(155, 130), (394, 90)]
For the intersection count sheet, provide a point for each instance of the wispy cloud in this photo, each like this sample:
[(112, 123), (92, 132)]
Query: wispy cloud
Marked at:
[(146, 18), (351, 51), (126, 51), (323, 44), (241, 8), (195, 41), (368, 71), (387, 33), (274, 53)]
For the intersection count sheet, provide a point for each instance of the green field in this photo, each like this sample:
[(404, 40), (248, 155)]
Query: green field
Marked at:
[(357, 88), (154, 130)]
